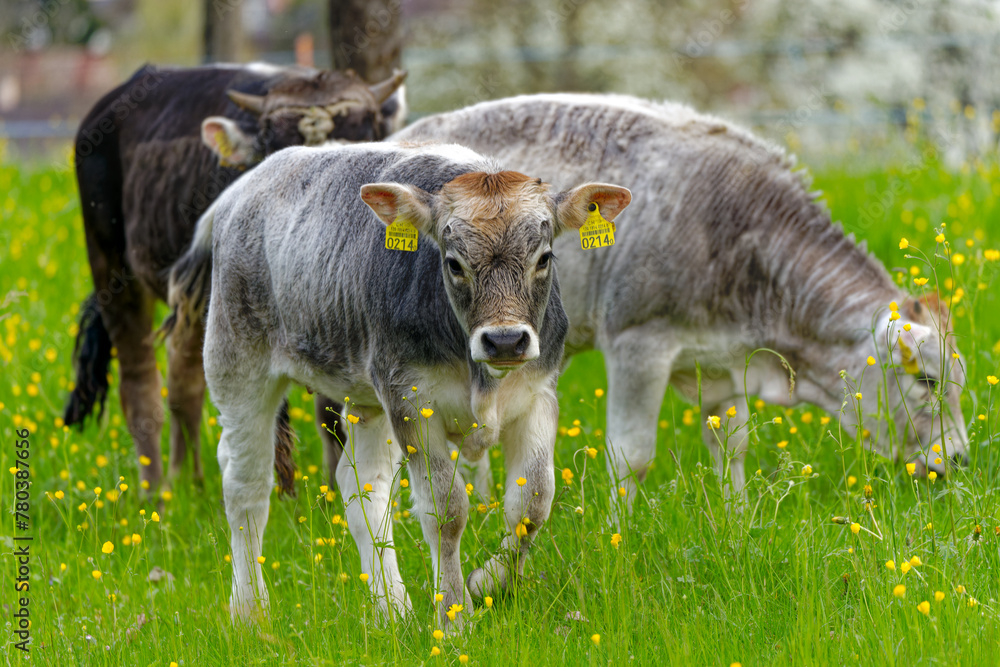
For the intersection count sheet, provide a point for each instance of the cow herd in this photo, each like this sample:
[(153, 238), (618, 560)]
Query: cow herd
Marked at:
[(458, 256)]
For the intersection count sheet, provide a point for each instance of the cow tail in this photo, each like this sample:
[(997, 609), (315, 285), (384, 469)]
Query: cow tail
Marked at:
[(191, 279), (284, 445), (91, 359)]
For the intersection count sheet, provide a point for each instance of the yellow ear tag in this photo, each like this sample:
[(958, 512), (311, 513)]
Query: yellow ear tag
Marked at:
[(909, 363), (401, 235), (596, 231)]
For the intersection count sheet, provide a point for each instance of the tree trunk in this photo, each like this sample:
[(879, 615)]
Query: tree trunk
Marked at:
[(366, 36), (223, 30)]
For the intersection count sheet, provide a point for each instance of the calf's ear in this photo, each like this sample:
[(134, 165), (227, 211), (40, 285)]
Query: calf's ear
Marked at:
[(573, 206), (394, 201), (234, 147), (914, 348)]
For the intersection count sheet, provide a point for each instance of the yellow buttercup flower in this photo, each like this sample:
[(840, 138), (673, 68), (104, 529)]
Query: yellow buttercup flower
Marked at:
[(367, 487), (435, 651), (782, 444), (404, 483), (915, 561), (890, 565), (924, 608), (438, 635), (903, 244), (855, 528), (596, 639), (96, 574), (899, 591), (488, 601), (932, 475), (905, 567), (464, 659), (714, 422), (992, 379), (453, 610), (426, 413), (108, 547), (939, 238), (598, 393), (573, 432), (261, 559), (911, 468), (354, 419), (521, 481), (871, 361), (616, 540), (731, 412), (920, 282), (807, 470), (591, 452), (454, 456), (363, 577), (567, 476), (938, 596)]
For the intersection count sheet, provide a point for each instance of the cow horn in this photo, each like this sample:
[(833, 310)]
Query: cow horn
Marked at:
[(383, 90), (252, 103)]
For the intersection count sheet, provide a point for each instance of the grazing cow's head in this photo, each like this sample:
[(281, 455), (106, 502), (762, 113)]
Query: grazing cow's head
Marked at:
[(922, 388), (495, 232), (306, 110)]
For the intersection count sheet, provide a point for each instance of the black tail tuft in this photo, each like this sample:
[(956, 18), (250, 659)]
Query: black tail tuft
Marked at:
[(91, 358), (284, 445)]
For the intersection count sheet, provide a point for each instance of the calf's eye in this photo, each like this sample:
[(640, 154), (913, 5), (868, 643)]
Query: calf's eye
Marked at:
[(543, 261), (928, 382), (454, 267)]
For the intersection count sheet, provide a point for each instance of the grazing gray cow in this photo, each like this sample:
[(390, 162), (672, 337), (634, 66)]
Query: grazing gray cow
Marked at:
[(724, 251), (304, 289)]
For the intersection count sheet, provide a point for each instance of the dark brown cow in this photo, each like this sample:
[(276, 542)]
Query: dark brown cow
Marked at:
[(151, 156)]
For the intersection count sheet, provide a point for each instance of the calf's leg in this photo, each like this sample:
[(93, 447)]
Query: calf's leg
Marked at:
[(638, 365), (128, 317), (729, 450), (370, 461), (528, 446), (440, 501), (248, 407), (185, 396), (328, 412)]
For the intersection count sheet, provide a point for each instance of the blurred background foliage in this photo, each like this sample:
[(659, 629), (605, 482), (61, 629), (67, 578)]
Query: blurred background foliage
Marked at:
[(822, 78)]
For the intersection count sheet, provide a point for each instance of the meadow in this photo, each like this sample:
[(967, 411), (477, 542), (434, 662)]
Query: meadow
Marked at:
[(119, 580)]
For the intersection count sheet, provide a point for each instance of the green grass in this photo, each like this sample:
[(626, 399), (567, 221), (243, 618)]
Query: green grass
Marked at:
[(689, 583)]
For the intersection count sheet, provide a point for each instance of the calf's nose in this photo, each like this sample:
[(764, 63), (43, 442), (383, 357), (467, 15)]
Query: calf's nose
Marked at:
[(505, 343)]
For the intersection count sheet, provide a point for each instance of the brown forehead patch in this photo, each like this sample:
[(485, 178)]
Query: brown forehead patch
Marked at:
[(479, 197)]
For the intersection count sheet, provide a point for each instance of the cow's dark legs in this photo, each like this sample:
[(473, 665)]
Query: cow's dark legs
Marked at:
[(128, 317), (185, 396), (332, 448)]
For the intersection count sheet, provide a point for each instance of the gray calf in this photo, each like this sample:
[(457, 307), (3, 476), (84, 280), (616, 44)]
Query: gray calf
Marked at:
[(303, 289), (724, 250)]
